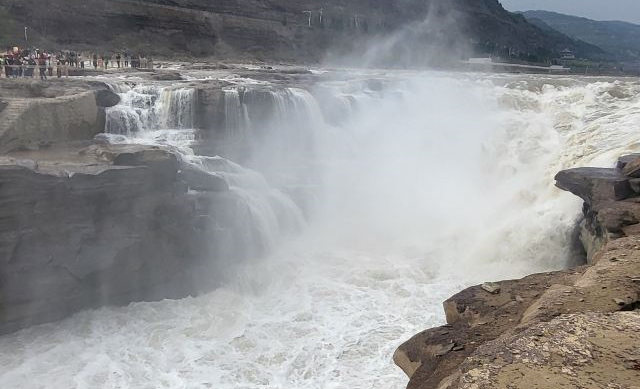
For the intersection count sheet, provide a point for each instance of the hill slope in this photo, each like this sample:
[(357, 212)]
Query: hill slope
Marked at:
[(620, 39), (276, 29)]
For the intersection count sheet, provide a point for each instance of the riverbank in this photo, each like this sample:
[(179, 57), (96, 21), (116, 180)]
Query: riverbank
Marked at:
[(575, 328)]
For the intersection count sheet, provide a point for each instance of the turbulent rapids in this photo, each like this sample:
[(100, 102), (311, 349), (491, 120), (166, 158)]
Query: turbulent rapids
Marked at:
[(368, 199)]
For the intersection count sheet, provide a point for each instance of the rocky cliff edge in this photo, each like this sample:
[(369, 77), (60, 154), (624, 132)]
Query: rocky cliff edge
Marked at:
[(576, 328)]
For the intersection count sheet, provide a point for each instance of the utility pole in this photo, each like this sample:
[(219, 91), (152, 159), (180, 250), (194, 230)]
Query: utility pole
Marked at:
[(321, 10), (310, 14), (26, 37)]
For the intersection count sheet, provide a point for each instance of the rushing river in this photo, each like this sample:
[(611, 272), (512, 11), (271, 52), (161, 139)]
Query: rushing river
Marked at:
[(416, 185)]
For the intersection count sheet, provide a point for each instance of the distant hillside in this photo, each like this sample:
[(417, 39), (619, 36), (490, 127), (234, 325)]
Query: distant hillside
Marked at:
[(491, 25), (290, 30), (619, 39)]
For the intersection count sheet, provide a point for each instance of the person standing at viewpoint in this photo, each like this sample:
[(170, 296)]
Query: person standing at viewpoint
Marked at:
[(42, 66)]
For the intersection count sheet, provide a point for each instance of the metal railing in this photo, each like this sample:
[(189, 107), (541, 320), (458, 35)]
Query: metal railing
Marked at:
[(18, 71), (32, 71)]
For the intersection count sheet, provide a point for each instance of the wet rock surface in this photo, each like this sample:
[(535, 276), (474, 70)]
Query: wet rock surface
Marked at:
[(576, 328)]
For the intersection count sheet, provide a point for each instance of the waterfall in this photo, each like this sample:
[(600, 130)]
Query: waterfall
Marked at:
[(256, 112), (150, 108), (276, 129), (235, 115), (151, 114), (134, 113), (176, 108)]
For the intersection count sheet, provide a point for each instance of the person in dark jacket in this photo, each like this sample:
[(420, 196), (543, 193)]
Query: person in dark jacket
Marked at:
[(29, 68), (42, 66), (8, 70), (49, 58), (17, 70)]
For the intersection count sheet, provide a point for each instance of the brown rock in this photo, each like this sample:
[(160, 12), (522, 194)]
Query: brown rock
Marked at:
[(580, 351), (595, 184), (632, 168), (635, 184), (625, 159)]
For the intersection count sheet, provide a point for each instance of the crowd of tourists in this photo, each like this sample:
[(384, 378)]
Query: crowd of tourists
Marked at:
[(32, 63)]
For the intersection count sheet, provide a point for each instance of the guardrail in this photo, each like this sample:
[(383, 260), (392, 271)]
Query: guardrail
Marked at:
[(51, 69), (32, 71)]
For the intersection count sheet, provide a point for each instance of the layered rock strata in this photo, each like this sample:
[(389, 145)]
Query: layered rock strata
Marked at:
[(576, 328)]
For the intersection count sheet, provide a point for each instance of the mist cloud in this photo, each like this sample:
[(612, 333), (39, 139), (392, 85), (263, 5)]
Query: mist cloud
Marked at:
[(438, 38)]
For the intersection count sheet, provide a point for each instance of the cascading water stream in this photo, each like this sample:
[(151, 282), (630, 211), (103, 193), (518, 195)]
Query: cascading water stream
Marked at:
[(236, 117), (423, 183), (176, 108), (147, 108)]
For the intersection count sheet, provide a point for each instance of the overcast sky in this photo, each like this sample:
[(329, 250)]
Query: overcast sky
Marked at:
[(626, 10)]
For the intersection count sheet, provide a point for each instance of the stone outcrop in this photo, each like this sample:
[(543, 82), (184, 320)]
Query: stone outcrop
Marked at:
[(575, 328), (612, 203), (40, 114), (86, 226), (595, 184)]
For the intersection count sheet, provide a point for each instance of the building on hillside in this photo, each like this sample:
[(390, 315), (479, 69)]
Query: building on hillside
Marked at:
[(486, 60), (567, 54)]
